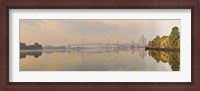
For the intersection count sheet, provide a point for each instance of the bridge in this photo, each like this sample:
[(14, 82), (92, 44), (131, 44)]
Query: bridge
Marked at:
[(91, 44), (98, 45), (103, 45)]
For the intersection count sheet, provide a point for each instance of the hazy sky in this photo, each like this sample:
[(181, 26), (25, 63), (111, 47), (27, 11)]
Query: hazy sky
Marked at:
[(63, 32)]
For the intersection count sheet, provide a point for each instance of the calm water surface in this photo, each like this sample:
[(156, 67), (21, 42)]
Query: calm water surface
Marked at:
[(99, 60)]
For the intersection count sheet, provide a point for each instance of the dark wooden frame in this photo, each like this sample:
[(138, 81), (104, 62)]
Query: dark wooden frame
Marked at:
[(103, 4)]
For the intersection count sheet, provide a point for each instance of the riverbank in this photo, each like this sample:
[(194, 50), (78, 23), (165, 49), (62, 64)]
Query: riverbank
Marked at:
[(164, 49)]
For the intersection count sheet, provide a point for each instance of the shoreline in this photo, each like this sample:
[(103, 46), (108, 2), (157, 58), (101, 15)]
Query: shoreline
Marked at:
[(164, 49)]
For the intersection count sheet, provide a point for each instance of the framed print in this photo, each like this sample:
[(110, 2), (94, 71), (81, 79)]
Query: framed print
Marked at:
[(100, 45)]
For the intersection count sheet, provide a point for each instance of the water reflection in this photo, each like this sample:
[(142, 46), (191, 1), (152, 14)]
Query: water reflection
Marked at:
[(173, 58), (102, 59), (36, 54)]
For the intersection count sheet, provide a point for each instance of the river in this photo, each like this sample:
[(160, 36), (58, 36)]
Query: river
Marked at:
[(136, 59)]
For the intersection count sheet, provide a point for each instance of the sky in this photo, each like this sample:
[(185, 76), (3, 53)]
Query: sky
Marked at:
[(74, 31)]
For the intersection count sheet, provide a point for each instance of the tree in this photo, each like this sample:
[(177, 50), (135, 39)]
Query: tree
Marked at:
[(36, 45), (149, 44), (171, 41), (174, 37), (23, 46)]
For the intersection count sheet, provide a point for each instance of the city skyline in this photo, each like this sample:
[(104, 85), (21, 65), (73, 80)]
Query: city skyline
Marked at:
[(64, 32)]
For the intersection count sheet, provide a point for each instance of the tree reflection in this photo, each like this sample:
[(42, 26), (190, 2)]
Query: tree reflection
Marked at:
[(35, 54), (173, 58)]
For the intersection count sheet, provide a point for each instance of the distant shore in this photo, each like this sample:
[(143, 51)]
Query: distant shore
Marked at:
[(164, 49), (49, 50)]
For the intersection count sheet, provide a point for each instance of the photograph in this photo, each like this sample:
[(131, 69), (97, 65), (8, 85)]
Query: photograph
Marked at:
[(99, 44)]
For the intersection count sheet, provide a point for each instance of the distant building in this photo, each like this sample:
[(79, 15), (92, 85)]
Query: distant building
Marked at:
[(142, 41)]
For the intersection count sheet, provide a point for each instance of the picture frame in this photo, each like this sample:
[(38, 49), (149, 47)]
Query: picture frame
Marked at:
[(119, 4)]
